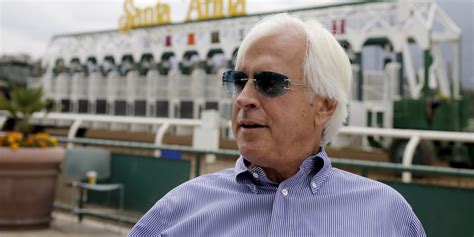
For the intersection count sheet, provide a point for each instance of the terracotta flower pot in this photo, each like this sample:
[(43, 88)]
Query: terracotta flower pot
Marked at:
[(27, 186)]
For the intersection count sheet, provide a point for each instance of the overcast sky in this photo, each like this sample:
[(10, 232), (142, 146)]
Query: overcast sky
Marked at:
[(28, 25)]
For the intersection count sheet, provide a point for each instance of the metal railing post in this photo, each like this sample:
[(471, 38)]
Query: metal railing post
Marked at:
[(159, 137), (408, 157), (72, 131), (3, 120)]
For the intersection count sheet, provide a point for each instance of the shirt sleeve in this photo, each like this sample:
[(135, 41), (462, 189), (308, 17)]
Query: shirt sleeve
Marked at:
[(416, 228), (408, 223), (151, 224), (403, 218)]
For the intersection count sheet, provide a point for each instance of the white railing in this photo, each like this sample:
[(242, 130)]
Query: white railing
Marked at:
[(414, 136), (78, 119)]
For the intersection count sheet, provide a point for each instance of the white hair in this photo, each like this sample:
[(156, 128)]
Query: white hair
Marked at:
[(326, 68)]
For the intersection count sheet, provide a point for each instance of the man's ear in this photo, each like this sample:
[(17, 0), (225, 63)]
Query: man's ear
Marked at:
[(325, 108)]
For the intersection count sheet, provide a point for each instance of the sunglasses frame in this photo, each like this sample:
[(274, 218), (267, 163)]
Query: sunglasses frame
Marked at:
[(287, 83)]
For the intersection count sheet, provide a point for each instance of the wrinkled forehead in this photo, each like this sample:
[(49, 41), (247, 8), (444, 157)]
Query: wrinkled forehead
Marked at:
[(287, 44), (279, 51)]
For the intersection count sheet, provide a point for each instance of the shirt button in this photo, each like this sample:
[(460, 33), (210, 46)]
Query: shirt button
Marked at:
[(253, 187), (255, 175), (313, 184), (284, 192)]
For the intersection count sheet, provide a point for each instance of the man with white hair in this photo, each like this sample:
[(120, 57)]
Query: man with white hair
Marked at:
[(289, 92)]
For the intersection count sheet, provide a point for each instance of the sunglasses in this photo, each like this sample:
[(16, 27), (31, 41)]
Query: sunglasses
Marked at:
[(269, 84)]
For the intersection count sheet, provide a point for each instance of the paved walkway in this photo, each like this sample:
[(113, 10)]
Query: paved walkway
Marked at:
[(67, 225)]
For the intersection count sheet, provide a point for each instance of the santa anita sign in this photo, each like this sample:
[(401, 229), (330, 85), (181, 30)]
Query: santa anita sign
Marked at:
[(160, 14)]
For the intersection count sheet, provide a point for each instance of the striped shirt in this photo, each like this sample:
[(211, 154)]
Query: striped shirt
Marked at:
[(318, 200)]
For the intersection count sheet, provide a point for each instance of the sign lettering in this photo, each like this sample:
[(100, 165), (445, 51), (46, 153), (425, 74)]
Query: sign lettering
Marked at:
[(160, 14), (136, 17), (212, 9)]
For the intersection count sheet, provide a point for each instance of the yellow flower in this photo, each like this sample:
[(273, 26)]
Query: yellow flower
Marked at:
[(30, 140), (15, 140), (15, 135), (11, 139), (14, 146), (42, 136), (53, 141)]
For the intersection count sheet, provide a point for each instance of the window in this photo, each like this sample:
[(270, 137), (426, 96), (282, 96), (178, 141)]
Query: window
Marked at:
[(168, 41), (191, 39), (215, 37)]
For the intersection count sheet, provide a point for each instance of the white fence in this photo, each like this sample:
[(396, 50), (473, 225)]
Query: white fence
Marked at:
[(213, 123)]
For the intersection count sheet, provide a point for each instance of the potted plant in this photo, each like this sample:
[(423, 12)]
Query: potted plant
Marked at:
[(29, 163)]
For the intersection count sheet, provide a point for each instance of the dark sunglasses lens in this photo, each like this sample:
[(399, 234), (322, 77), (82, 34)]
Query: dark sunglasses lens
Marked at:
[(234, 81), (270, 83)]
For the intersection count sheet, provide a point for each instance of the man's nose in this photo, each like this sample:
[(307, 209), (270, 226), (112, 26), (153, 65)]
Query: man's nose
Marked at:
[(248, 97)]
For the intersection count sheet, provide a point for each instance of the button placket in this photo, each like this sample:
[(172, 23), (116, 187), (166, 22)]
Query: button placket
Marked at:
[(281, 213), (253, 188)]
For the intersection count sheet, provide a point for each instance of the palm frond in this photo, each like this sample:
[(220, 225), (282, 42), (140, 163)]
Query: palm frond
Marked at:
[(23, 103)]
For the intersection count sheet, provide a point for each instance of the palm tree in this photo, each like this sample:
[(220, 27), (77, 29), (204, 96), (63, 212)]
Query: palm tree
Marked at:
[(22, 104)]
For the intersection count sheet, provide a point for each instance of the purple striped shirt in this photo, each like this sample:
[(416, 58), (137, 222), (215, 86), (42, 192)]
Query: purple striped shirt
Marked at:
[(318, 200)]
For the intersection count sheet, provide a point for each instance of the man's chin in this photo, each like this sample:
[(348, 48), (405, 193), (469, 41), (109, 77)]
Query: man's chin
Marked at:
[(251, 153)]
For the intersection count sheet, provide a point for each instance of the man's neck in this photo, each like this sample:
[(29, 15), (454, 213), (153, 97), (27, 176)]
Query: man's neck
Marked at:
[(285, 171), (278, 176)]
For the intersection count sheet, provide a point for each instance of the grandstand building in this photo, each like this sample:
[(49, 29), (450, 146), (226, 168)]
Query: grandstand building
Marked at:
[(174, 70)]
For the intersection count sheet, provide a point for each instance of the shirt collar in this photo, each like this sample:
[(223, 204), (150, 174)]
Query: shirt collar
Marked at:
[(318, 166), (322, 168)]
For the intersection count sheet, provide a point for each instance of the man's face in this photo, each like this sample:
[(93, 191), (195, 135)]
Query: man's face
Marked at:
[(289, 126)]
